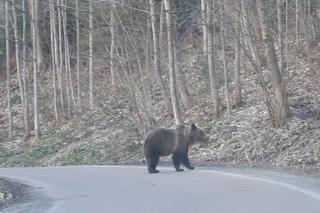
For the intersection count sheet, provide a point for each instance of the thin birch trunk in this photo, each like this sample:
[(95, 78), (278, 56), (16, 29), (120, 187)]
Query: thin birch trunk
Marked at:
[(53, 63), (225, 65), (17, 50), (211, 64), (26, 72), (91, 97), (70, 77), (309, 52), (237, 59), (204, 28), (280, 35), (148, 75), (156, 57), (66, 56), (183, 90), (8, 67), (112, 51), (171, 49), (297, 22), (162, 30), (36, 65), (60, 54), (78, 57), (287, 38)]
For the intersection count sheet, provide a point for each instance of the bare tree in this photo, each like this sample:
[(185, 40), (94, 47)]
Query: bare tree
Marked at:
[(21, 86), (78, 56), (26, 71), (280, 35), (8, 67), (113, 37), (210, 49), (309, 52), (53, 62), (297, 21), (171, 49), (183, 90), (60, 54), (287, 33), (156, 62), (281, 107), (162, 29), (204, 21), (69, 80), (225, 65), (36, 65), (39, 50), (91, 97), (254, 57), (148, 79), (237, 55)]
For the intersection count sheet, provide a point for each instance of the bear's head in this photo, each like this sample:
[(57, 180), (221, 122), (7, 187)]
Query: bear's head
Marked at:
[(197, 135)]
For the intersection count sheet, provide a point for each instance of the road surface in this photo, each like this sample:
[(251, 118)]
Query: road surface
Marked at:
[(122, 189)]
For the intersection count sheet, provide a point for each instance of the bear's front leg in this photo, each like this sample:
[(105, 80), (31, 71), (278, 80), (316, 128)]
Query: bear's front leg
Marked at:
[(176, 159)]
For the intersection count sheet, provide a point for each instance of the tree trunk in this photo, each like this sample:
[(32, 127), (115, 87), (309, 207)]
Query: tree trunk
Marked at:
[(162, 31), (171, 49), (280, 36), (53, 63), (225, 65), (282, 108), (66, 57), (60, 54), (36, 66), (26, 72), (113, 37), (210, 49), (8, 67), (91, 97), (148, 75), (21, 86), (287, 32), (69, 77), (297, 22), (183, 90), (309, 52), (204, 28), (255, 59), (39, 49), (237, 59), (156, 57), (78, 57)]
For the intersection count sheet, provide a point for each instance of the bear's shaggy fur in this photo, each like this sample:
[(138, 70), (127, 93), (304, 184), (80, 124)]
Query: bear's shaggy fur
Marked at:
[(163, 142)]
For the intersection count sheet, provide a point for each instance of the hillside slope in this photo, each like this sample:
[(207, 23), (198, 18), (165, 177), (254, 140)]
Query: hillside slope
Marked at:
[(110, 135)]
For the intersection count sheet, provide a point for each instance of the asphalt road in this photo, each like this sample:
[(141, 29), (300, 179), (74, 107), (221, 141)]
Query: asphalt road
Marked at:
[(132, 190)]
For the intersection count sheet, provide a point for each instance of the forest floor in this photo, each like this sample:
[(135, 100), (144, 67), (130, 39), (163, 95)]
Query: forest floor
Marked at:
[(109, 134)]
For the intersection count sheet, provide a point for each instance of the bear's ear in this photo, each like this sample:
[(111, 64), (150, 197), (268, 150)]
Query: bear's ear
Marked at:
[(193, 127)]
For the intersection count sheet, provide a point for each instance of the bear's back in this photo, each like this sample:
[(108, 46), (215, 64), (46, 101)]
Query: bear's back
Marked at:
[(160, 140)]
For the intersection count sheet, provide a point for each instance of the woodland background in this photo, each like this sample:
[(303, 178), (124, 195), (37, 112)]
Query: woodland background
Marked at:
[(83, 81)]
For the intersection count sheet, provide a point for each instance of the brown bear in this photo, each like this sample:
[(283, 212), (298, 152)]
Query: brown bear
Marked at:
[(163, 142)]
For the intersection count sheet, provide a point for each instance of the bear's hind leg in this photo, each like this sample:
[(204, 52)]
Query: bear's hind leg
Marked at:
[(152, 164), (186, 162), (176, 159)]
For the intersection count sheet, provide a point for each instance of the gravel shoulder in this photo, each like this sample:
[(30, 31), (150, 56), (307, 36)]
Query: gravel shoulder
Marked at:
[(12, 193)]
